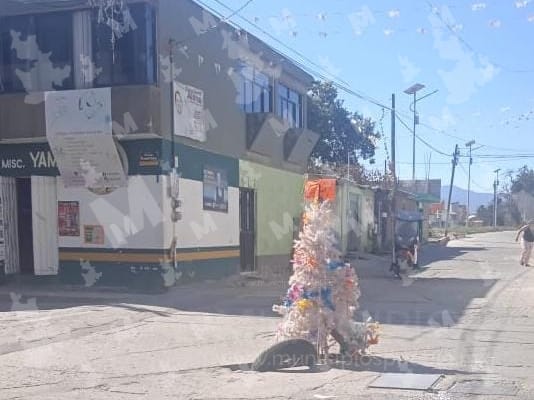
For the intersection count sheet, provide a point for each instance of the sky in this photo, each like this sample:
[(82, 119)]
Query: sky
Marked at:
[(479, 56)]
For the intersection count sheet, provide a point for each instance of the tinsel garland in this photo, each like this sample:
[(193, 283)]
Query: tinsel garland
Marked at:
[(323, 290)]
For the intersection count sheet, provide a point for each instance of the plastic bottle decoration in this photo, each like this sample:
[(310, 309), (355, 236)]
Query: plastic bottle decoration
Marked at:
[(323, 290)]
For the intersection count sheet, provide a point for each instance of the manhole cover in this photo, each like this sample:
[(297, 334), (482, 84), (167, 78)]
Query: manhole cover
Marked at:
[(479, 387), (405, 381)]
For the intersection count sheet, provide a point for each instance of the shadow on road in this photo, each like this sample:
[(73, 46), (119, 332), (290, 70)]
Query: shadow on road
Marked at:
[(367, 363), (426, 301), (429, 301), (433, 253)]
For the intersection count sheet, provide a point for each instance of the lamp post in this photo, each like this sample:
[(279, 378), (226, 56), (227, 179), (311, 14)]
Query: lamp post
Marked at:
[(470, 145), (413, 90), (495, 185)]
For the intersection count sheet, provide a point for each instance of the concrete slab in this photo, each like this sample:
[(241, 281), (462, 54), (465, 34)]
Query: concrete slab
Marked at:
[(405, 381), (488, 388)]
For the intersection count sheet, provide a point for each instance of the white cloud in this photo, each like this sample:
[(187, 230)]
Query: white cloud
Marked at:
[(469, 72), (521, 3), (505, 109), (388, 32), (361, 20), (530, 18), (409, 70), (444, 120)]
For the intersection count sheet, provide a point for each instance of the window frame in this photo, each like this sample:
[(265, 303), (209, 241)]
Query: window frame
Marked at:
[(151, 72), (252, 80), (30, 21), (290, 102)]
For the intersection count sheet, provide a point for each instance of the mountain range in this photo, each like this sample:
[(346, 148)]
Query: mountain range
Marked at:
[(459, 195)]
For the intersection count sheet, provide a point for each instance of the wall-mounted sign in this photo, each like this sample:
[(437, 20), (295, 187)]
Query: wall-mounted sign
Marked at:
[(93, 234), (68, 218), (149, 159), (215, 189), (189, 118), (79, 130)]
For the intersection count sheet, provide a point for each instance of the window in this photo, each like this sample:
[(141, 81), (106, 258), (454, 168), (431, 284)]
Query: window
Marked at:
[(36, 52), (132, 58), (289, 106), (255, 92)]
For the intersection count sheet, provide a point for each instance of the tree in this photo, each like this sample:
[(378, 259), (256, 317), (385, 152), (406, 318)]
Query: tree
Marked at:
[(523, 181), (343, 133), (507, 213)]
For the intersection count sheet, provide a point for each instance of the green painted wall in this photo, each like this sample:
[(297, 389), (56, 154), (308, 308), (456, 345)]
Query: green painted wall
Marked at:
[(279, 200), (355, 217)]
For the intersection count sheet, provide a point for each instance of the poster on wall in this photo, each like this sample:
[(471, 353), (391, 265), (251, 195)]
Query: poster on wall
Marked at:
[(68, 218), (79, 131), (189, 112), (93, 234), (215, 189)]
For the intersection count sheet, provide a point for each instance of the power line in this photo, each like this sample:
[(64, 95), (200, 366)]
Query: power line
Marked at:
[(455, 33), (472, 180), (420, 139), (344, 86)]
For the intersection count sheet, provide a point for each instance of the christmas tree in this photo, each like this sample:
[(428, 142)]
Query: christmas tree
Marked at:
[(323, 290)]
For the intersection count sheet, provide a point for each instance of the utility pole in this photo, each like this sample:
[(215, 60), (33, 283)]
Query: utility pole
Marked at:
[(470, 145), (394, 189), (454, 163), (495, 185)]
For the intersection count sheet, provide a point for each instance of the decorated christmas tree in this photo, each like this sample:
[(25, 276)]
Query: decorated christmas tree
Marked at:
[(323, 290)]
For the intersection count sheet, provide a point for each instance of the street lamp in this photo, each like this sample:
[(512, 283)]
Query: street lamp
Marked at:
[(413, 90), (470, 145)]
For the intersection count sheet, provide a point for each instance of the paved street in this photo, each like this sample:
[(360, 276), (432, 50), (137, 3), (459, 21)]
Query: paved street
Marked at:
[(466, 317)]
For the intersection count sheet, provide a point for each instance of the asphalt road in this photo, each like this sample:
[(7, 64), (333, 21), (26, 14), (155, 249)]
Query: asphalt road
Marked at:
[(466, 317)]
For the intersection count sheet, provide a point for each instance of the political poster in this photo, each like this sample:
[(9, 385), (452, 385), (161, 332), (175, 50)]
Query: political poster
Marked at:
[(215, 194), (79, 131), (68, 218), (189, 120)]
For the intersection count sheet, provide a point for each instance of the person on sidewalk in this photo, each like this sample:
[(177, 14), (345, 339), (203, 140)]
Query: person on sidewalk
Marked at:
[(527, 242)]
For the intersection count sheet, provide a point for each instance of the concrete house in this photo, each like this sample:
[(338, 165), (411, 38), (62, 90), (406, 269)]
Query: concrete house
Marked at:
[(98, 104)]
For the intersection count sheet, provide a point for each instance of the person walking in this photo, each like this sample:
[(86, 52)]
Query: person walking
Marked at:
[(527, 242)]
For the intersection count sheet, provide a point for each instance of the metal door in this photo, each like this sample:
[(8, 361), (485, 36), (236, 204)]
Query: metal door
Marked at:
[(44, 223), (9, 224), (247, 222)]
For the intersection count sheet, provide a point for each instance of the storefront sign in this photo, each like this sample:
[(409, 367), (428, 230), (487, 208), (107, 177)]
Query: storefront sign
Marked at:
[(68, 215), (149, 159), (79, 130), (26, 159), (215, 189), (189, 118), (93, 234)]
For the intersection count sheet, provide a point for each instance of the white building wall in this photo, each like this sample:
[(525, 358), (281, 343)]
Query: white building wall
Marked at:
[(131, 216), (199, 227)]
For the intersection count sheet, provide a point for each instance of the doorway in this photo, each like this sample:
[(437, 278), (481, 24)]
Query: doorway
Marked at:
[(247, 226), (25, 226)]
